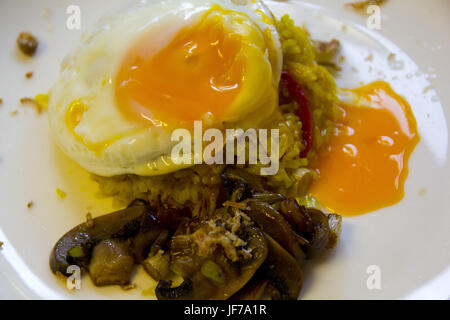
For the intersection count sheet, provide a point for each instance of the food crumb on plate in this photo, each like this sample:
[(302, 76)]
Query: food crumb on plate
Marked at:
[(27, 43), (42, 101), (61, 194), (1, 245), (30, 204), (393, 63), (31, 102), (13, 113), (29, 75), (369, 57), (47, 13), (422, 191), (361, 5)]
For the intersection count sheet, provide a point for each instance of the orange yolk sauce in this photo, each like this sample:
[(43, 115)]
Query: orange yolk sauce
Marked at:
[(201, 69), (365, 164)]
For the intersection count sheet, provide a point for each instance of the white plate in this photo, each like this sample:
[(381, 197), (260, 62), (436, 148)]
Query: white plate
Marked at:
[(409, 242)]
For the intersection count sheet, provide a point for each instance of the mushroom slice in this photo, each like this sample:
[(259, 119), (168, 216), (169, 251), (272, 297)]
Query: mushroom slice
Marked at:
[(297, 216), (273, 223), (320, 235), (75, 247), (216, 277), (283, 270), (111, 263), (321, 231), (239, 185), (157, 266)]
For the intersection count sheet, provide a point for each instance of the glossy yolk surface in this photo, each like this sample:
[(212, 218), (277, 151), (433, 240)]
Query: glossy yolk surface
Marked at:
[(198, 72), (365, 165)]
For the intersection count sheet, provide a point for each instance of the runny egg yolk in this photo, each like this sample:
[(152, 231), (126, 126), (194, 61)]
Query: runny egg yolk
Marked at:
[(365, 165), (198, 73)]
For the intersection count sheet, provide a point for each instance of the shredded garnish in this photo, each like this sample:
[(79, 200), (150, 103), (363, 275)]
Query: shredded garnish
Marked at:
[(238, 205), (222, 232)]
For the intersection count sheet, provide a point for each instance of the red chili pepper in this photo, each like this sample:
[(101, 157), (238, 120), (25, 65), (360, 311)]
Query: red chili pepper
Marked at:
[(297, 94)]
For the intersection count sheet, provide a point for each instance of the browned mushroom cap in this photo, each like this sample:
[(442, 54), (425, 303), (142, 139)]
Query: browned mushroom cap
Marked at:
[(75, 247), (297, 216), (321, 230), (320, 235), (283, 270), (273, 223), (215, 277), (239, 185), (279, 277)]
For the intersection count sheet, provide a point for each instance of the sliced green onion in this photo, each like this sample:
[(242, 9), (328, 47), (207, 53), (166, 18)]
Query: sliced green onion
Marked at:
[(76, 252), (309, 202)]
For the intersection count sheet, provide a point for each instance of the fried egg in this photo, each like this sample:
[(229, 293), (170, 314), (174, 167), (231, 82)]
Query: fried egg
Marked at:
[(158, 67)]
